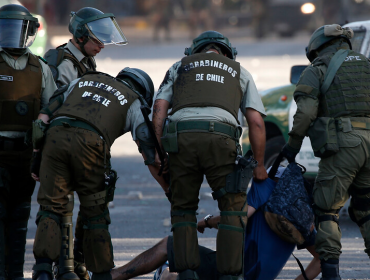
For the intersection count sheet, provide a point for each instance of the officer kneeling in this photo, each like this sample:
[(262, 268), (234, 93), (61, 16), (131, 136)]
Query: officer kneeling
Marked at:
[(85, 119)]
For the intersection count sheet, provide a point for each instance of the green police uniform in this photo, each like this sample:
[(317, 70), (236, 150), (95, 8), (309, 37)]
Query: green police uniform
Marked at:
[(205, 91), (26, 84), (69, 63), (347, 172), (96, 110), (74, 64)]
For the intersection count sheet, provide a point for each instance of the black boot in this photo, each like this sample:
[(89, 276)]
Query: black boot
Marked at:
[(42, 270), (187, 274), (79, 260), (330, 269)]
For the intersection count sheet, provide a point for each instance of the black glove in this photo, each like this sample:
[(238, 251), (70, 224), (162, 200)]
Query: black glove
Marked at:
[(289, 153), (35, 163), (169, 195)]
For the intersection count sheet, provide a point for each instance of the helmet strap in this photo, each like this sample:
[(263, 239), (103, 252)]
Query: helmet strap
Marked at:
[(82, 44)]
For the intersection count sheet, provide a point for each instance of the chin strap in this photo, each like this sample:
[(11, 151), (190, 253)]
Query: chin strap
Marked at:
[(82, 44)]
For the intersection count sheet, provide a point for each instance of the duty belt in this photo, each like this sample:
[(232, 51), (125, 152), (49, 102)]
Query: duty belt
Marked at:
[(346, 124), (12, 144), (205, 126), (73, 123)]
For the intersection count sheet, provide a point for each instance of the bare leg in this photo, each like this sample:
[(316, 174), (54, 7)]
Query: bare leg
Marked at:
[(144, 263)]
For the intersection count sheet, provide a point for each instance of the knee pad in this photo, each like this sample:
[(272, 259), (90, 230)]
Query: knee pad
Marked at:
[(183, 218), (322, 215), (47, 214)]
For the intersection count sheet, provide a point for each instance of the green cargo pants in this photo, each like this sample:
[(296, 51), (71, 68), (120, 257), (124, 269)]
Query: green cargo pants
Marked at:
[(73, 160), (347, 170), (214, 156)]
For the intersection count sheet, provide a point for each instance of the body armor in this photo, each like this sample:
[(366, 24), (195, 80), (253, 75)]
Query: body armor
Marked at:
[(349, 93), (208, 80), (20, 95), (101, 101)]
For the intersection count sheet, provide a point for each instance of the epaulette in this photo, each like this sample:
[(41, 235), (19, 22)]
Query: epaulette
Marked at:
[(43, 59)]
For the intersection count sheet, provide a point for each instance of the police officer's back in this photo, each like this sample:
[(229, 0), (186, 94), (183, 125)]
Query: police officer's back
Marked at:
[(333, 96)]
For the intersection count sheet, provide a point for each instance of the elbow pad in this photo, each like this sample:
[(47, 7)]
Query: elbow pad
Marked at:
[(55, 102), (146, 143)]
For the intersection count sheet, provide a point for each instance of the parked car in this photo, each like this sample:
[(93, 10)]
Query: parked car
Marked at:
[(280, 108), (38, 46)]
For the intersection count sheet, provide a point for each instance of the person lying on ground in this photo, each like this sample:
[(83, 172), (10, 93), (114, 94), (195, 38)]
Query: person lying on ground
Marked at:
[(265, 253)]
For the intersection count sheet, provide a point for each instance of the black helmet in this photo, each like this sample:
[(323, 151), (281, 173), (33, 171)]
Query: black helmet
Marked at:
[(210, 37), (92, 23), (18, 28), (143, 79), (325, 34)]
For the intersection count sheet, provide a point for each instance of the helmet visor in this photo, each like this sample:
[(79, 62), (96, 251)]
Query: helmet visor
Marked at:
[(106, 31), (14, 33)]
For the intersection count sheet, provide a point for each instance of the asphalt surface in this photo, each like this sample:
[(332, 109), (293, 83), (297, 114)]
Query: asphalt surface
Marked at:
[(140, 214)]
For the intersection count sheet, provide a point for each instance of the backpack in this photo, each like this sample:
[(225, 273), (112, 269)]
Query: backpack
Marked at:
[(54, 58), (288, 211)]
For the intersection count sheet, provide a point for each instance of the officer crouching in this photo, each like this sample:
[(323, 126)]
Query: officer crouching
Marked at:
[(85, 119)]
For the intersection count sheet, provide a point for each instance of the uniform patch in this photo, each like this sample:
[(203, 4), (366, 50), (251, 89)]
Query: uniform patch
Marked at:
[(21, 108), (6, 78)]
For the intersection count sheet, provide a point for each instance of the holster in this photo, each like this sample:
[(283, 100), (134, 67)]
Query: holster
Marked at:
[(38, 133), (169, 138), (238, 180), (323, 135), (110, 185)]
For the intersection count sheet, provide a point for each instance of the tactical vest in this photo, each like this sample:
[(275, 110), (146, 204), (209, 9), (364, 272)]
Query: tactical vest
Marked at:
[(349, 93), (101, 101), (20, 94), (208, 80), (54, 57)]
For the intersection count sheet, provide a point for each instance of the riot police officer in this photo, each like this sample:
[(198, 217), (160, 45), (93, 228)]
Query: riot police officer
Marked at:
[(85, 119), (333, 96), (91, 30), (26, 84), (205, 91)]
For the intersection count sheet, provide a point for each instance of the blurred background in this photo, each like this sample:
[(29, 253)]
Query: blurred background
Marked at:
[(258, 18)]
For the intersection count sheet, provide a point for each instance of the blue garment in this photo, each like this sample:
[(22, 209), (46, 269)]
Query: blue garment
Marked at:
[(265, 253)]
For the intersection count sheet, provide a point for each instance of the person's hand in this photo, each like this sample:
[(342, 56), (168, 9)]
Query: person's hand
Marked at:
[(158, 163), (289, 153), (259, 173), (169, 195), (35, 165), (201, 226)]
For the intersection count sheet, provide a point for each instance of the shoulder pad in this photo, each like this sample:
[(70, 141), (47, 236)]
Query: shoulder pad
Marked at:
[(43, 59)]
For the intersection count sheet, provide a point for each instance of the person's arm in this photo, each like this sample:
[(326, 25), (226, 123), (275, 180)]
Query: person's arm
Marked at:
[(213, 222), (160, 113), (314, 267), (154, 170), (257, 137)]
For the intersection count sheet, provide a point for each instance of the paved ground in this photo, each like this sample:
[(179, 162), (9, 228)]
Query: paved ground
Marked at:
[(137, 224)]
